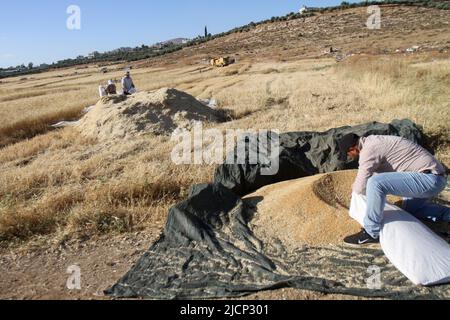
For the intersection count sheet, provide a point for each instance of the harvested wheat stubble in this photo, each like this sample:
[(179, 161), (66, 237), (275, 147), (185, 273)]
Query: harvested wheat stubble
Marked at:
[(158, 112)]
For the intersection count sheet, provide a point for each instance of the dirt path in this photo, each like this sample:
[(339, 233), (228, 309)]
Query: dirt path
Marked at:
[(43, 274)]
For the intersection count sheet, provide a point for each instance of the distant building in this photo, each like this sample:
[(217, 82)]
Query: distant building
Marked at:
[(14, 70), (120, 50), (303, 10), (176, 41), (125, 49), (10, 71), (93, 55)]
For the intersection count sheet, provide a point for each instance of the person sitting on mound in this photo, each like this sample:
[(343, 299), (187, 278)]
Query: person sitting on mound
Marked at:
[(128, 84), (391, 165), (111, 88)]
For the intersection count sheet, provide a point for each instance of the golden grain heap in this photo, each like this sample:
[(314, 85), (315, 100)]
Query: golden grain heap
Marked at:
[(157, 112), (307, 211)]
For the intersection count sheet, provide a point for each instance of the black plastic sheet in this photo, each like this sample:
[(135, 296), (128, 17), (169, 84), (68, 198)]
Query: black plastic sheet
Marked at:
[(209, 251)]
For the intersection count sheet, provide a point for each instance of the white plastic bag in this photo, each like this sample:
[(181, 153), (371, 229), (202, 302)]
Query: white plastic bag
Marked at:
[(358, 208), (420, 254), (102, 91)]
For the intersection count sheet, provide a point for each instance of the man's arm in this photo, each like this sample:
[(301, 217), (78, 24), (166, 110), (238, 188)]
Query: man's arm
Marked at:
[(369, 162)]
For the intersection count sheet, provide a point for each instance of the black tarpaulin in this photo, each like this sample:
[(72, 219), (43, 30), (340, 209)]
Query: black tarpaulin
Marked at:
[(208, 250)]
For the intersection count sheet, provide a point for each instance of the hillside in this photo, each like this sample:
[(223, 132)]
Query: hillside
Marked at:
[(161, 49), (402, 27)]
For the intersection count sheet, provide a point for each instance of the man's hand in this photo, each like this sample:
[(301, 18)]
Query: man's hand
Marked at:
[(399, 204)]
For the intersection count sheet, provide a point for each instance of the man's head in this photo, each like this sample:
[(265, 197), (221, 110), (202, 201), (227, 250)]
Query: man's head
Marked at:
[(127, 74), (349, 145)]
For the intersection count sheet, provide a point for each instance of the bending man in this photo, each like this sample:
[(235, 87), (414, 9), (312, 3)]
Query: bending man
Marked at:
[(391, 165)]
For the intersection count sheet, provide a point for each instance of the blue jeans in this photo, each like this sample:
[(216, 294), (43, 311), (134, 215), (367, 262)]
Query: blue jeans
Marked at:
[(416, 188)]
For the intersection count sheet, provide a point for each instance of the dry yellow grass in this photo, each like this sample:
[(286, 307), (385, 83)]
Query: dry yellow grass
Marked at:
[(62, 184)]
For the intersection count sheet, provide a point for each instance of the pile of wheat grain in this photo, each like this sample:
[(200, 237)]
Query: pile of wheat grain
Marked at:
[(307, 211), (158, 112)]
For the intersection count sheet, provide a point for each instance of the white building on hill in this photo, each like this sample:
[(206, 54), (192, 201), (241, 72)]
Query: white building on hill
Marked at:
[(303, 10)]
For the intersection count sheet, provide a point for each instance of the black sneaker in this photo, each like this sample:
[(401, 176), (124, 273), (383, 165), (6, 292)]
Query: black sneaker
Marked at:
[(361, 239)]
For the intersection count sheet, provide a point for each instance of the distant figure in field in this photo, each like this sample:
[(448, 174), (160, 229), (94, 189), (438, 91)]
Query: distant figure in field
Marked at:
[(111, 88), (128, 85), (102, 91)]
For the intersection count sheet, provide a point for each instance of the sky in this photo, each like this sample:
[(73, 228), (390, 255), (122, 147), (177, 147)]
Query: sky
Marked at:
[(36, 31)]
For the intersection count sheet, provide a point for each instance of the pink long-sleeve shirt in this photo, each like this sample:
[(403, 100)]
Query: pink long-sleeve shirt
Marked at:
[(392, 154)]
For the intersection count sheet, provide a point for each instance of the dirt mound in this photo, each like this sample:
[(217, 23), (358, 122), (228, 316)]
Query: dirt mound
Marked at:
[(159, 112), (307, 211)]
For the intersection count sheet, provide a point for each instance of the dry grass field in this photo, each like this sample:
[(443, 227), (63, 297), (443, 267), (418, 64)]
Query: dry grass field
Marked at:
[(64, 185)]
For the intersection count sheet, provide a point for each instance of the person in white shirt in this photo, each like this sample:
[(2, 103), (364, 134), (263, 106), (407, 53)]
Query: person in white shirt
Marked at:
[(128, 84)]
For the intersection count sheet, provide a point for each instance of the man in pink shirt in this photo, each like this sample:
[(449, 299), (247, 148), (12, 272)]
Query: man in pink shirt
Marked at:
[(390, 165)]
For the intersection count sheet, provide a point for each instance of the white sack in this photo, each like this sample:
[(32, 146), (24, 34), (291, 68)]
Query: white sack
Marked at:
[(102, 91), (420, 254)]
